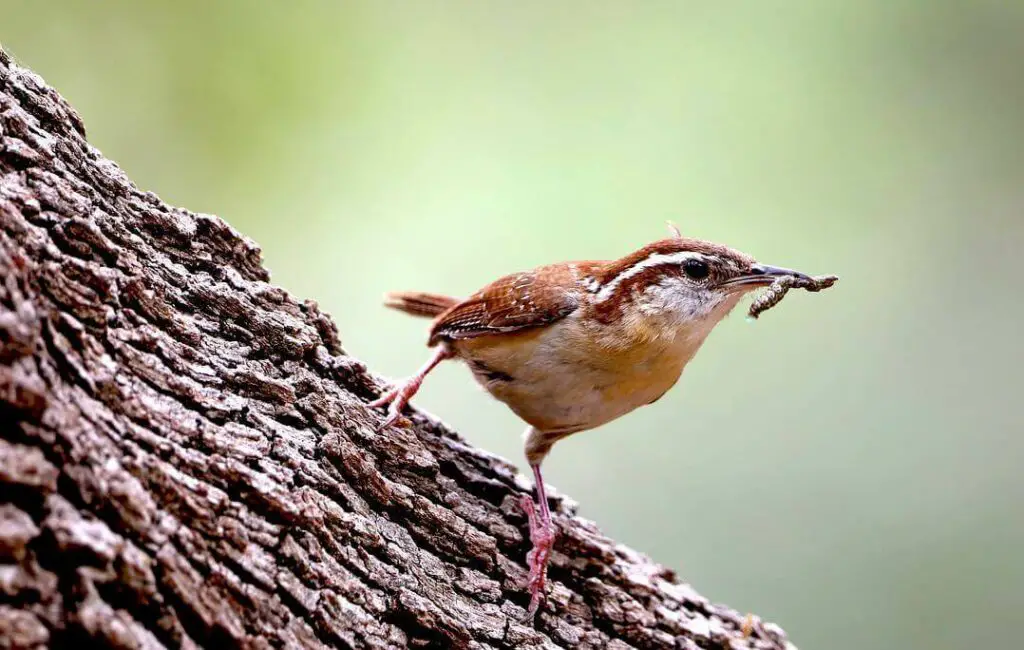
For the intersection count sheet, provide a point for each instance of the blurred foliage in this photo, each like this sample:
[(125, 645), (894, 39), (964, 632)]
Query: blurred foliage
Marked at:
[(850, 466)]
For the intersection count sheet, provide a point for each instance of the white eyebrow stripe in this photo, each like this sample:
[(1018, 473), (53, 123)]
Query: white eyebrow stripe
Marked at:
[(657, 259)]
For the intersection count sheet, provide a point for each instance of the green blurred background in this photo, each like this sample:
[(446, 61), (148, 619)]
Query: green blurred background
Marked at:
[(850, 466)]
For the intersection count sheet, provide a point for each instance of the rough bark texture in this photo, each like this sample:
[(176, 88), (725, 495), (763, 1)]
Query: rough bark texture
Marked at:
[(186, 459)]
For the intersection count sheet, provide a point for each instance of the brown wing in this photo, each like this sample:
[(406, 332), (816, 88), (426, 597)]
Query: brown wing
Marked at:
[(514, 302)]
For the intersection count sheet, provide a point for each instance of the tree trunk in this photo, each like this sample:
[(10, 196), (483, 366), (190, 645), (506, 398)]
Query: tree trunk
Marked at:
[(186, 459)]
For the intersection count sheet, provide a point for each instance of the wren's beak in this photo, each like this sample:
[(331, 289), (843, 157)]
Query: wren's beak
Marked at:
[(761, 275)]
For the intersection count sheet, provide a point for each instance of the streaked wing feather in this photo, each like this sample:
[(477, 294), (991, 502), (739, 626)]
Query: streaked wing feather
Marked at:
[(514, 302)]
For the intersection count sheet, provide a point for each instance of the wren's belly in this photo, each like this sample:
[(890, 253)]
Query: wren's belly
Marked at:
[(560, 386)]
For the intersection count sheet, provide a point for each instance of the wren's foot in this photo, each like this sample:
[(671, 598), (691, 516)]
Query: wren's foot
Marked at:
[(399, 396), (542, 535), (396, 399)]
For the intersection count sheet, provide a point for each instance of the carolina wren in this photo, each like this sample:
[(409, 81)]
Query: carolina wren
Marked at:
[(571, 346)]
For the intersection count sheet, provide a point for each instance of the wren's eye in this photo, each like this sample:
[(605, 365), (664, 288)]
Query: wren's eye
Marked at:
[(696, 269)]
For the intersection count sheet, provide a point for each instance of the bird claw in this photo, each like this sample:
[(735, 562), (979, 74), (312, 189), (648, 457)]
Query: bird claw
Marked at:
[(542, 535), (385, 398), (396, 399), (398, 396)]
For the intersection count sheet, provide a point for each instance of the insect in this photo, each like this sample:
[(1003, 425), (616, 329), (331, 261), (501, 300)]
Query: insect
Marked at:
[(775, 292)]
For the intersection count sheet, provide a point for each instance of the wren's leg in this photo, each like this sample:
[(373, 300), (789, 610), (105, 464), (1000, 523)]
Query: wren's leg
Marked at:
[(399, 396), (542, 535)]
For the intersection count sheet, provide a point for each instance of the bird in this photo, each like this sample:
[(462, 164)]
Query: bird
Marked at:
[(571, 346)]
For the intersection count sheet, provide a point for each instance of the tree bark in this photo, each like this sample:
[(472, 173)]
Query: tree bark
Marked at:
[(186, 459)]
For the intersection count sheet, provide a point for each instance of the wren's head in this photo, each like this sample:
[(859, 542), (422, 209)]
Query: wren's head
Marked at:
[(691, 282)]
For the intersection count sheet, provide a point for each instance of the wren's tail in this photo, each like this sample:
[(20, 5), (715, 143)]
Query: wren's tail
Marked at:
[(419, 304)]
